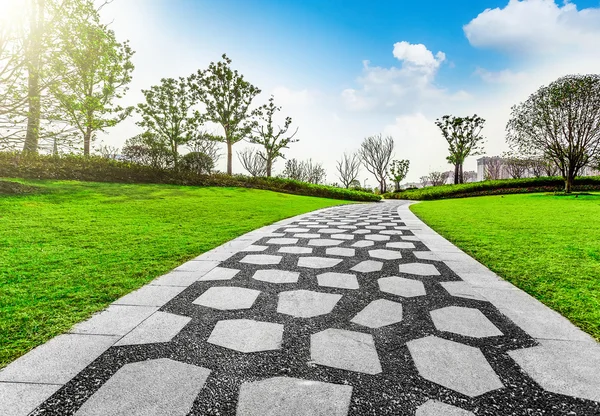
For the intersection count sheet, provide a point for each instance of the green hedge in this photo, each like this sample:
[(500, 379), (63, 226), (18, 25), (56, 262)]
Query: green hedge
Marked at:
[(97, 169), (499, 187), (16, 188)]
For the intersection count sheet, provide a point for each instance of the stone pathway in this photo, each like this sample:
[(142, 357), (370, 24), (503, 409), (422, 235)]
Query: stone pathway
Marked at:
[(354, 310)]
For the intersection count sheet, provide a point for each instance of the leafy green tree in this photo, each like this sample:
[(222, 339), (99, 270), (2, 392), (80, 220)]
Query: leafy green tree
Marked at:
[(147, 149), (272, 138), (198, 162), (560, 122), (227, 98), (464, 138), (168, 115), (97, 71), (398, 171)]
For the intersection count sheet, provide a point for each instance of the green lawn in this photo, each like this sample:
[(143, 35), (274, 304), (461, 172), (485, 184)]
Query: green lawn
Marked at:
[(71, 251), (547, 245)]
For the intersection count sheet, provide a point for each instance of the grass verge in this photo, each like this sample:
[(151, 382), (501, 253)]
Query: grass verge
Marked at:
[(70, 251), (547, 245)]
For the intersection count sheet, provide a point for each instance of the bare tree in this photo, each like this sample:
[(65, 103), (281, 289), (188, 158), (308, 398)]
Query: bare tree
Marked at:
[(108, 152), (376, 153), (253, 162), (516, 166), (295, 169), (492, 168), (424, 181), (205, 143), (348, 168), (438, 178), (315, 173), (535, 165), (469, 176)]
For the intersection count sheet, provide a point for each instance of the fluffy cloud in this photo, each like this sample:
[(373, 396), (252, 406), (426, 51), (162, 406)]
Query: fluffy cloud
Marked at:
[(417, 56), (535, 27), (506, 76)]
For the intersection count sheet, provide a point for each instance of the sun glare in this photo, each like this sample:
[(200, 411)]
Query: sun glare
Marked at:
[(11, 10)]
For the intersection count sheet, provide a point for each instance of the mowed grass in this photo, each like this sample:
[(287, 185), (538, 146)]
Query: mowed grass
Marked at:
[(547, 245), (72, 250)]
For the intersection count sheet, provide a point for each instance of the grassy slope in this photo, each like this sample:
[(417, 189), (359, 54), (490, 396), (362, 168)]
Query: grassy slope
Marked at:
[(547, 245), (70, 252)]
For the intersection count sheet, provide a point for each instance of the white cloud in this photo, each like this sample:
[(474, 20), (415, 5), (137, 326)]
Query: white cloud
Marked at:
[(506, 76), (535, 27), (418, 56)]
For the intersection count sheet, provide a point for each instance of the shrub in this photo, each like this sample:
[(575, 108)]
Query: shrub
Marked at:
[(16, 188), (98, 169), (497, 187)]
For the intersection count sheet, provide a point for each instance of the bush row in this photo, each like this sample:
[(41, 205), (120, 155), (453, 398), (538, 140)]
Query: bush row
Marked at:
[(15, 188), (504, 186), (98, 169)]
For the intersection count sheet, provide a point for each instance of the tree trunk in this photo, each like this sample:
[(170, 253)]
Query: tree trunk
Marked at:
[(456, 174), (229, 152), (269, 167), (32, 136), (382, 186), (461, 177), (87, 138)]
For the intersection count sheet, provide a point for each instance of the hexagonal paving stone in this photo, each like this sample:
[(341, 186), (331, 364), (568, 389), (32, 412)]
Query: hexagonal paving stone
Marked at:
[(153, 387), (340, 251), (219, 273), (455, 366), (276, 276), (563, 367), (324, 242), (375, 227), (462, 290), (247, 335), (362, 232), (307, 235), (464, 321), (377, 237), (227, 298), (420, 269), (331, 231), (385, 254), (400, 245), (296, 230), (400, 286), (363, 243), (426, 255), (254, 247), (317, 262), (282, 241), (342, 236), (306, 303), (368, 266), (435, 408), (295, 250), (261, 259), (339, 280), (293, 396), (391, 232), (348, 350), (380, 312)]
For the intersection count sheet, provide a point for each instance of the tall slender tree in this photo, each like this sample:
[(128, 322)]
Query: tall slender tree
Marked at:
[(348, 168), (227, 97)]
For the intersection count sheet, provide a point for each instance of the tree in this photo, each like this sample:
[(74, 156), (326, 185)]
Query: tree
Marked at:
[(424, 181), (198, 162), (463, 135), (376, 153), (253, 162), (398, 171), (168, 116), (205, 143), (560, 121), (97, 70), (492, 168), (227, 97), (148, 149), (272, 139), (470, 176), (295, 169), (348, 168), (315, 173), (515, 166), (438, 178)]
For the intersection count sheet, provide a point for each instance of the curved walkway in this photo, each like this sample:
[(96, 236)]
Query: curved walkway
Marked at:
[(352, 310)]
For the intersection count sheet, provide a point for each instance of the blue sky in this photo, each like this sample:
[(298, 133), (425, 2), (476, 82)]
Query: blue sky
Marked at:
[(425, 59)]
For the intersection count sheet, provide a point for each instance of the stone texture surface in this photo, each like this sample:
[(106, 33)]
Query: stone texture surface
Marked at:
[(400, 286), (455, 366), (317, 262), (306, 303), (338, 280), (296, 250), (347, 350), (114, 320), (159, 327), (276, 276), (340, 251), (377, 237), (324, 242), (462, 290), (227, 298), (261, 259), (419, 269), (148, 388), (220, 273), (380, 312), (286, 396), (282, 241), (150, 295), (385, 254), (464, 321), (363, 243), (19, 399), (400, 245), (247, 335), (435, 408), (368, 266)]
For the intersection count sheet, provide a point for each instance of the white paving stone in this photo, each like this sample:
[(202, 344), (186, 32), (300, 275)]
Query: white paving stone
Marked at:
[(114, 320), (296, 250), (296, 230), (340, 251), (462, 290), (362, 232), (150, 295), (410, 238), (227, 298), (254, 248), (247, 335), (464, 321), (368, 266), (400, 286), (282, 241), (331, 231), (400, 245), (276, 276), (197, 266), (455, 366), (219, 273), (261, 259), (419, 269), (377, 237), (19, 399), (317, 262), (338, 280), (380, 312), (342, 236), (148, 388), (435, 408), (385, 254), (324, 242), (285, 396), (363, 243), (159, 327), (391, 232), (347, 350), (375, 227), (426, 255), (307, 235), (306, 303)]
